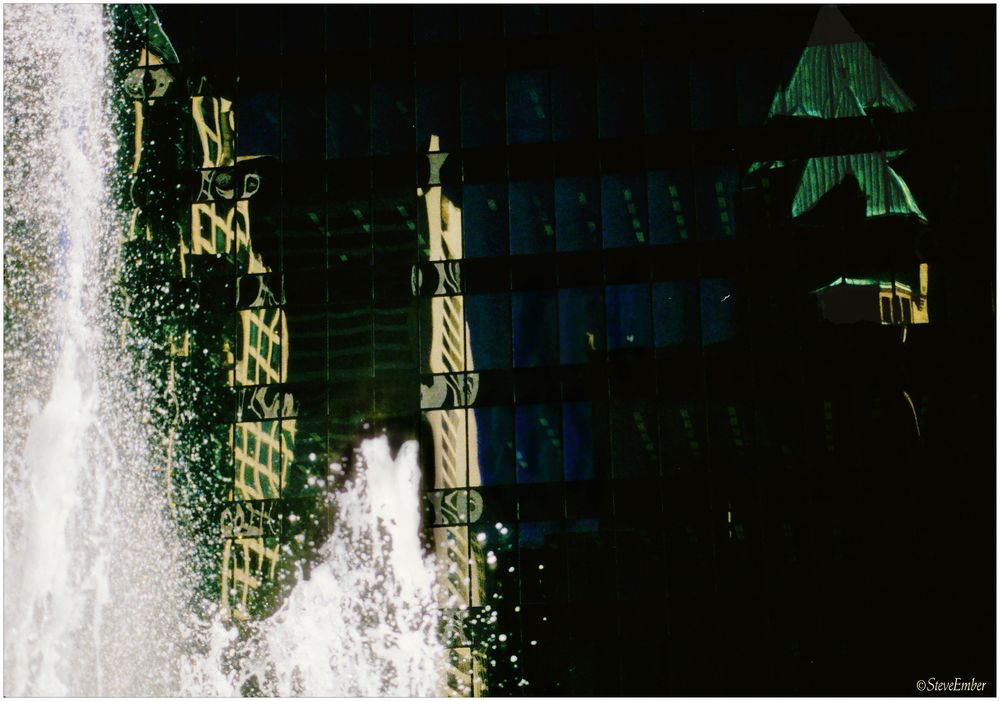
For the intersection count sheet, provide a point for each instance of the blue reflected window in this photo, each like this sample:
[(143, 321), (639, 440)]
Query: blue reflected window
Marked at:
[(577, 213), (671, 207), (574, 115), (581, 325), (675, 313), (619, 93), (527, 107), (484, 220), (536, 339), (628, 316), (437, 113), (495, 433), (532, 228), (623, 206), (392, 118), (633, 440), (537, 535), (717, 203), (718, 311), (347, 123), (538, 443), (488, 316), (578, 444), (257, 123), (482, 110), (302, 137)]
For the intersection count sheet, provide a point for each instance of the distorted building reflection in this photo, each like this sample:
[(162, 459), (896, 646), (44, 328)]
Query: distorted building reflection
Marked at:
[(651, 308), (236, 318), (453, 431), (839, 77), (888, 302)]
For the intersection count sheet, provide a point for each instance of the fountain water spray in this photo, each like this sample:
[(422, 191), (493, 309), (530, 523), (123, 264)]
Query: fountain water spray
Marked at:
[(96, 577), (363, 621), (89, 561)]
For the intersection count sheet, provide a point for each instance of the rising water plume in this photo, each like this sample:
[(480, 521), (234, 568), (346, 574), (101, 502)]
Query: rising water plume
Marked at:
[(97, 579), (363, 620), (90, 565)]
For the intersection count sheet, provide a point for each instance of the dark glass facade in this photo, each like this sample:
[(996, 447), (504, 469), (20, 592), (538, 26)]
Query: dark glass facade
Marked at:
[(692, 310)]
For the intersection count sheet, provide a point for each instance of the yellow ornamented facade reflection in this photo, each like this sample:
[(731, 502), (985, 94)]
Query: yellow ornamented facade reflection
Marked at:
[(256, 352), (454, 435)]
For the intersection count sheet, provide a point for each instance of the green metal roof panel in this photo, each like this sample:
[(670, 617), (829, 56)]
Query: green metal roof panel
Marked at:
[(885, 192), (839, 77), (864, 282), (842, 80)]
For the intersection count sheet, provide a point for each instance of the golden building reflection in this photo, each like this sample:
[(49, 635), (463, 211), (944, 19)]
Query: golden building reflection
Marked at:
[(454, 434), (256, 355)]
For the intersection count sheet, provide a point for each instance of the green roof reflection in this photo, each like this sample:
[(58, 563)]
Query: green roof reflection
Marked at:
[(865, 282), (839, 77), (147, 19)]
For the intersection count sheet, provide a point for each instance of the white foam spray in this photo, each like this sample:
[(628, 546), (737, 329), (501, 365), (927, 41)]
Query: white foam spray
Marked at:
[(365, 620), (95, 581), (88, 562)]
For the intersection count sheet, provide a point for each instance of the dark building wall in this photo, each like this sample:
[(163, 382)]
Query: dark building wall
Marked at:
[(707, 488)]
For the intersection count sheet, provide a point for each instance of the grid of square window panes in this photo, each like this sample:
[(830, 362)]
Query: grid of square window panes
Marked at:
[(656, 426)]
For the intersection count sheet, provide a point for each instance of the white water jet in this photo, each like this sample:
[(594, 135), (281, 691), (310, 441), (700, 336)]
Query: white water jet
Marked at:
[(364, 622), (95, 575), (88, 560)]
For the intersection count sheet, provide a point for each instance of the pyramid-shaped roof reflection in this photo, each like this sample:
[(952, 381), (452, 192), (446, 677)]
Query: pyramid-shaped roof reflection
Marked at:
[(839, 77)]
